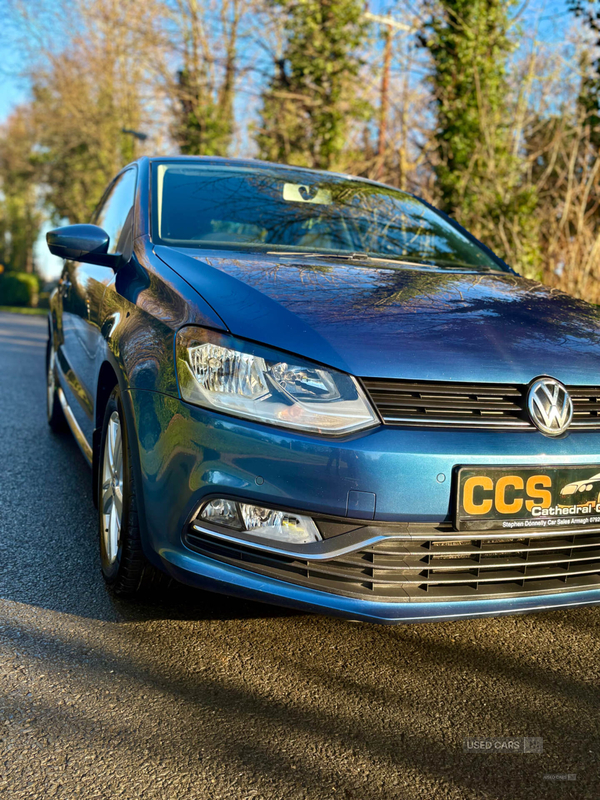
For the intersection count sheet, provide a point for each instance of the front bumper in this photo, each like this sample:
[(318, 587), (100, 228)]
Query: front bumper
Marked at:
[(187, 454), (205, 573)]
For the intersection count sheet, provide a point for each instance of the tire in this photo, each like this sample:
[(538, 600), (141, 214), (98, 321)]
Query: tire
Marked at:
[(56, 415), (125, 568)]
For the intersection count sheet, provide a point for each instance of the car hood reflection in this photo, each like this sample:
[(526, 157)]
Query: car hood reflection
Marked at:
[(419, 324)]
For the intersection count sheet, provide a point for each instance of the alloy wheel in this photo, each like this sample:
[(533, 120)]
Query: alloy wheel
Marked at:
[(112, 488), (50, 382)]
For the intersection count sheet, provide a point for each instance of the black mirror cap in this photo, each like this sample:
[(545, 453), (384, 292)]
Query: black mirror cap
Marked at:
[(87, 243)]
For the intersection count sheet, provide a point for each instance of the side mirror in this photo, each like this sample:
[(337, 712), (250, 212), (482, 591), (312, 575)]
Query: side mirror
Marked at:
[(87, 243)]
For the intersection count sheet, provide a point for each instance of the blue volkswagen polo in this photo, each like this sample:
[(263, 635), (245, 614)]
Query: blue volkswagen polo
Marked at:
[(318, 391)]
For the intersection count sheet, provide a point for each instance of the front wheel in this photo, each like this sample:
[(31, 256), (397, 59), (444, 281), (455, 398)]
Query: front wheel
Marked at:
[(124, 566)]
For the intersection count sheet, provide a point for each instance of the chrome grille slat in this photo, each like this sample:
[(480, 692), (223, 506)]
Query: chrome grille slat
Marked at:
[(450, 388), (454, 564), (481, 422), (512, 548), (419, 533), (507, 576), (459, 404), (470, 405), (488, 546)]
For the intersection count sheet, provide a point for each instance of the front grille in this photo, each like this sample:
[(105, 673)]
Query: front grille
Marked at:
[(437, 565), (586, 406), (470, 405)]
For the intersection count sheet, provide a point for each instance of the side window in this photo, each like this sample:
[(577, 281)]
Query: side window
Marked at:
[(115, 209)]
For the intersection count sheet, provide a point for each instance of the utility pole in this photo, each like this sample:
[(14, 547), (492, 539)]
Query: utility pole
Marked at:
[(384, 102), (391, 26)]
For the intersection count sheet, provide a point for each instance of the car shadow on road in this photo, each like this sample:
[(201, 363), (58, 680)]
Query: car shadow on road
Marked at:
[(180, 602)]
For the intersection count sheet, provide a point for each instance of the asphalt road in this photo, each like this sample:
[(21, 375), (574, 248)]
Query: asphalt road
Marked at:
[(193, 696)]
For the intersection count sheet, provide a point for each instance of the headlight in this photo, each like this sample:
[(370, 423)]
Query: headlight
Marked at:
[(255, 382)]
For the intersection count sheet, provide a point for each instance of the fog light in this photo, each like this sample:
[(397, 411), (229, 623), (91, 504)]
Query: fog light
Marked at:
[(283, 526), (223, 512)]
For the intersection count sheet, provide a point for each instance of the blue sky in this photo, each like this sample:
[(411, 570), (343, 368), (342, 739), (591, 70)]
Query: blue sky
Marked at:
[(13, 89)]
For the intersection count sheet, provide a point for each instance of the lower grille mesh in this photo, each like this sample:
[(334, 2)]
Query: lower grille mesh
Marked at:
[(430, 569)]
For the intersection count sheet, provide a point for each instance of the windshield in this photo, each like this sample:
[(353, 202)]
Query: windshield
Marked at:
[(286, 210)]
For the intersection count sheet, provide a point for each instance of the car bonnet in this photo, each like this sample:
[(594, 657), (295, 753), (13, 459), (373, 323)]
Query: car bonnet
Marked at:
[(390, 322)]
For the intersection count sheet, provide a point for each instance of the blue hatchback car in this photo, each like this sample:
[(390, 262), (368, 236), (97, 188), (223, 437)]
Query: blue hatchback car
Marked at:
[(318, 391)]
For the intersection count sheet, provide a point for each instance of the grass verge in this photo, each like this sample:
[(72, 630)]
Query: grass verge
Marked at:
[(24, 310)]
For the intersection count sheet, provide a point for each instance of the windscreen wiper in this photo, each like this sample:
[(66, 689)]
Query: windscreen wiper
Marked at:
[(351, 256), (343, 256)]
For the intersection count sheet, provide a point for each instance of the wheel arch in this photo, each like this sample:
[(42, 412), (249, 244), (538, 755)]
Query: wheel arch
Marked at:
[(50, 320)]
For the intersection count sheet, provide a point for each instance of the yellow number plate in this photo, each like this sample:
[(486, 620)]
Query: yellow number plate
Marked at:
[(505, 498)]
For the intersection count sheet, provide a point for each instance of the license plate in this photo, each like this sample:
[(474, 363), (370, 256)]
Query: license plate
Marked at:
[(505, 498)]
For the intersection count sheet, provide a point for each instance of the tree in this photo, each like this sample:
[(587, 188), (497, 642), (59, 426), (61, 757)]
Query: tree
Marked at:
[(83, 96), (562, 151), (479, 164), (205, 87), (311, 99), (20, 216)]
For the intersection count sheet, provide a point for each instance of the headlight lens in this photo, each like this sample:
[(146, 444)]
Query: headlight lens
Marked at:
[(258, 383)]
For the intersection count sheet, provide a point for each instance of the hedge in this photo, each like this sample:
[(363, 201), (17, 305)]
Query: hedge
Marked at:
[(19, 289)]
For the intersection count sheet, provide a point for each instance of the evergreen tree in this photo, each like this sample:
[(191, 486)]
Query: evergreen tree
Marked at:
[(204, 93), (479, 167), (204, 126), (311, 101)]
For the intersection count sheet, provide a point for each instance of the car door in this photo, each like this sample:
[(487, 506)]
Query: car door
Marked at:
[(84, 288)]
